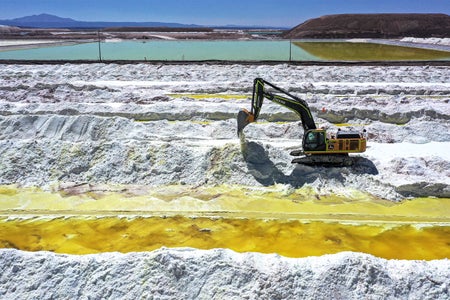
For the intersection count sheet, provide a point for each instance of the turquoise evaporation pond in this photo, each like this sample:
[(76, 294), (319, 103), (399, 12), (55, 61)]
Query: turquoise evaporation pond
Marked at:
[(166, 50)]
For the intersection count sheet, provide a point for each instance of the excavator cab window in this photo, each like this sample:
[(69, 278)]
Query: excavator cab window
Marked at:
[(314, 141)]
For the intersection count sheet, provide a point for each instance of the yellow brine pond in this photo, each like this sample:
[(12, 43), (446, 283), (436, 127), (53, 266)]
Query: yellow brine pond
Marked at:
[(83, 219)]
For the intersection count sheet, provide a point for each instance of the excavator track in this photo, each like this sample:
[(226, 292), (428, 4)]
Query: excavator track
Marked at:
[(340, 160)]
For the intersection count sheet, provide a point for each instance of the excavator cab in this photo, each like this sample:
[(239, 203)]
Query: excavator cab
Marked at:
[(315, 140)]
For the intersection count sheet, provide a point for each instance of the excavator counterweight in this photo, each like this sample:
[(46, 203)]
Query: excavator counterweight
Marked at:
[(318, 147)]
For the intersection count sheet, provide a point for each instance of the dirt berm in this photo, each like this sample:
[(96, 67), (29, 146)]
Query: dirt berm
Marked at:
[(373, 26)]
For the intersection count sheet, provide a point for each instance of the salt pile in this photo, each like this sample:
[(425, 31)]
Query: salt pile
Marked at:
[(158, 125), (218, 274), (143, 124)]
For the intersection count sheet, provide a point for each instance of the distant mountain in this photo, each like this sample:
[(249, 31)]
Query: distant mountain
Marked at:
[(43, 18), (51, 21)]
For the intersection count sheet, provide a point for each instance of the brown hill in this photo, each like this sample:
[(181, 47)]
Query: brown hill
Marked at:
[(373, 26)]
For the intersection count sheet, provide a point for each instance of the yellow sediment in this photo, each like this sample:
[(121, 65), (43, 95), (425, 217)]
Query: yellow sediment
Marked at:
[(209, 96), (348, 125), (294, 223), (369, 51), (292, 238)]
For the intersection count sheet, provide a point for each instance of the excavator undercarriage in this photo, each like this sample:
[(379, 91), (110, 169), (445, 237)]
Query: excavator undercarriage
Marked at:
[(337, 160)]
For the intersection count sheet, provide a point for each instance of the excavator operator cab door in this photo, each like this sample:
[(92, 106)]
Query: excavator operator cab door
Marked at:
[(314, 140)]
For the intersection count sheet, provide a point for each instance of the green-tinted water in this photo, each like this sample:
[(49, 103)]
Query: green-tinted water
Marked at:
[(167, 50), (226, 50)]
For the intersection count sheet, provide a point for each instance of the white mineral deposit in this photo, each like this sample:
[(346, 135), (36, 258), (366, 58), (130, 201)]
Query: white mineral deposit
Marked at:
[(157, 125)]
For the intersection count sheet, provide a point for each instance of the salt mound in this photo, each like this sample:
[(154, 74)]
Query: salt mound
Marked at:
[(218, 274), (83, 124), (169, 124)]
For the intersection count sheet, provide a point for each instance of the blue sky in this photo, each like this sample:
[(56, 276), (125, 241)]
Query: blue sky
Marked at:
[(212, 12)]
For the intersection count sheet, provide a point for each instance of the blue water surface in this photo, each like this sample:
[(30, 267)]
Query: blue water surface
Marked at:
[(167, 50)]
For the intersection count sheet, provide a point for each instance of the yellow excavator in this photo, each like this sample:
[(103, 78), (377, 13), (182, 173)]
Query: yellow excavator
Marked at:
[(319, 147)]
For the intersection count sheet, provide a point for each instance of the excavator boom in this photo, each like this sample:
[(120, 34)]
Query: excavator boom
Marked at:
[(299, 106)]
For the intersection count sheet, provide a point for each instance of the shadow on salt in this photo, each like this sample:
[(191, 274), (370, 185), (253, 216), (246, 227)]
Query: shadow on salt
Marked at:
[(266, 172)]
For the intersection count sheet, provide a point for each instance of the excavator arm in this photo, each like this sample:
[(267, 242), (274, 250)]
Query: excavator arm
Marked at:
[(287, 100)]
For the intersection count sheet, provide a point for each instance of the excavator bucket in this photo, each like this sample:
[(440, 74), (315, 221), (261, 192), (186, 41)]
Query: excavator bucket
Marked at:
[(244, 118)]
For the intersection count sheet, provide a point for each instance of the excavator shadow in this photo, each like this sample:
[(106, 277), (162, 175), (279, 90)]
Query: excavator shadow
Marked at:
[(266, 172)]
